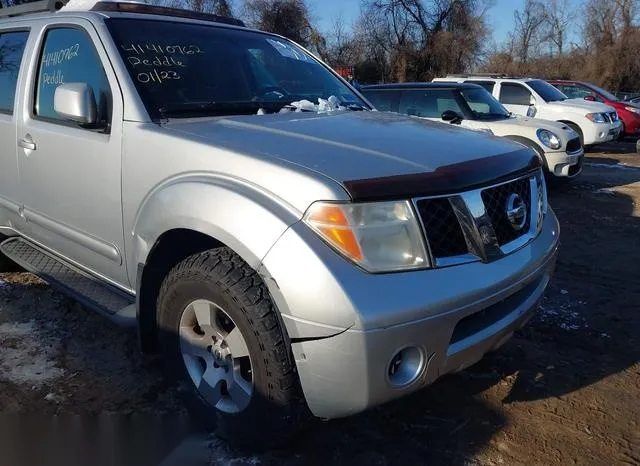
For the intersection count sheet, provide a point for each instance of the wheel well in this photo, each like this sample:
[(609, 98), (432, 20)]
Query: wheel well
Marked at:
[(169, 250), (572, 124)]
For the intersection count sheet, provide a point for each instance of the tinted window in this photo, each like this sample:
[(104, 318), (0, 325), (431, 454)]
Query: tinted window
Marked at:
[(187, 68), (546, 91), (385, 101), (488, 85), (514, 94), (11, 50), (429, 103), (69, 56)]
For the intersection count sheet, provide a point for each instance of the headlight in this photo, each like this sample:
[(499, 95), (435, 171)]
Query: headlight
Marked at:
[(549, 139), (596, 117), (633, 109), (379, 237)]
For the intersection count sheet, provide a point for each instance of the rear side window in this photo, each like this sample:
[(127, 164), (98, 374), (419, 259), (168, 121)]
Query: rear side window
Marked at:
[(69, 56), (430, 103), (488, 85), (385, 101), (514, 94), (12, 46)]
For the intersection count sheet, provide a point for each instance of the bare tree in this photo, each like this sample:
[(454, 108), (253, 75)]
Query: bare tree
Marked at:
[(527, 34), (289, 18), (558, 23), (423, 38), (343, 47)]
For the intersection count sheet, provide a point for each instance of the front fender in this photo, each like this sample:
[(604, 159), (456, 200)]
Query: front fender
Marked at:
[(241, 216)]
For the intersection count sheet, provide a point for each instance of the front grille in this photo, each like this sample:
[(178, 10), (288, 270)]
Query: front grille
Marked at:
[(442, 227), (479, 223), (607, 117), (613, 116), (574, 145), (495, 201)]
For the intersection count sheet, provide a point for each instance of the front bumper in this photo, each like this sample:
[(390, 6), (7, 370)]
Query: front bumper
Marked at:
[(603, 132), (564, 165), (453, 315)]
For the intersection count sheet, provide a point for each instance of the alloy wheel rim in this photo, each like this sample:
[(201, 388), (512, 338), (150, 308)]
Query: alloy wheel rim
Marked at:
[(216, 356)]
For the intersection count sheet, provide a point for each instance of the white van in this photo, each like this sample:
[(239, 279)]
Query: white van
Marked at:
[(594, 122)]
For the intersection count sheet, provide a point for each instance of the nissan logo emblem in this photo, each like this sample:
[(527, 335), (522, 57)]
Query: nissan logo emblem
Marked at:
[(516, 211)]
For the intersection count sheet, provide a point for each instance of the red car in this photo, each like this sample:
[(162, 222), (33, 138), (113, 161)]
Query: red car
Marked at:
[(628, 112)]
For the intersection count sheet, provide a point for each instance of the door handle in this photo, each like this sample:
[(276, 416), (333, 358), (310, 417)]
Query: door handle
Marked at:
[(27, 143)]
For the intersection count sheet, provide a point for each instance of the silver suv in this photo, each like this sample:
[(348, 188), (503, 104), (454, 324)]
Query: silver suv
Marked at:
[(288, 250)]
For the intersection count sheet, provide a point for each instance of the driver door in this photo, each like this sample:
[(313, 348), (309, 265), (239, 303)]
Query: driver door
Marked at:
[(71, 174)]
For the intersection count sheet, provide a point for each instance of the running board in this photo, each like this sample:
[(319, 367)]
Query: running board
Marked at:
[(109, 301)]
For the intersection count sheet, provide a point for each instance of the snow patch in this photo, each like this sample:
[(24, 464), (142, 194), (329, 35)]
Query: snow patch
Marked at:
[(221, 456), (563, 315), (85, 5), (26, 355), (616, 166), (607, 191), (79, 5)]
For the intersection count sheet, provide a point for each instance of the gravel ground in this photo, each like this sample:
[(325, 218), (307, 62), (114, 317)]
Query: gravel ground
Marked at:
[(564, 390)]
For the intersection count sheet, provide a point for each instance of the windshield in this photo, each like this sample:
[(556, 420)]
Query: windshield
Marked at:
[(183, 69), (483, 105), (546, 91), (607, 95)]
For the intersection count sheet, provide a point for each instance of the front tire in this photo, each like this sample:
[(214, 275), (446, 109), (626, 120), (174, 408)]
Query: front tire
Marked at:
[(220, 334)]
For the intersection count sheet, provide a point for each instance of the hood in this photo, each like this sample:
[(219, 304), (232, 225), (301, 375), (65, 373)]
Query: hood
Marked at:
[(589, 107), (370, 153), (534, 123)]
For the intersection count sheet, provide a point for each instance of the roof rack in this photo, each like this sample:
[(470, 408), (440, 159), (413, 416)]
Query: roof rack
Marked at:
[(485, 75), (33, 7), (40, 6), (129, 7)]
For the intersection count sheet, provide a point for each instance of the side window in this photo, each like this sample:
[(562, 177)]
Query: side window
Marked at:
[(428, 104), (514, 94), (12, 46), (488, 85), (385, 101), (69, 56), (574, 92)]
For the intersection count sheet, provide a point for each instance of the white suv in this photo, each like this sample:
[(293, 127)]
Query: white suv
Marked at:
[(594, 122)]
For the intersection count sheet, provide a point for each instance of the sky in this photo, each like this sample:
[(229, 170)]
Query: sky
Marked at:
[(500, 16)]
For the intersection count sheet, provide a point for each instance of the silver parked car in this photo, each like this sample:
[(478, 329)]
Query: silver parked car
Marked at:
[(288, 250)]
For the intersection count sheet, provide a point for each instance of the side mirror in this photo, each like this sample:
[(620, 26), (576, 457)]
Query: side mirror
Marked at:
[(590, 98), (451, 116), (76, 102)]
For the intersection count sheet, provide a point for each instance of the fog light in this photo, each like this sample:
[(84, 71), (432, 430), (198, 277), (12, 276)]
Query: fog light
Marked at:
[(405, 367)]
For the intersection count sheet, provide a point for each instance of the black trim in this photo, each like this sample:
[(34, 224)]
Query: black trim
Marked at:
[(449, 179)]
